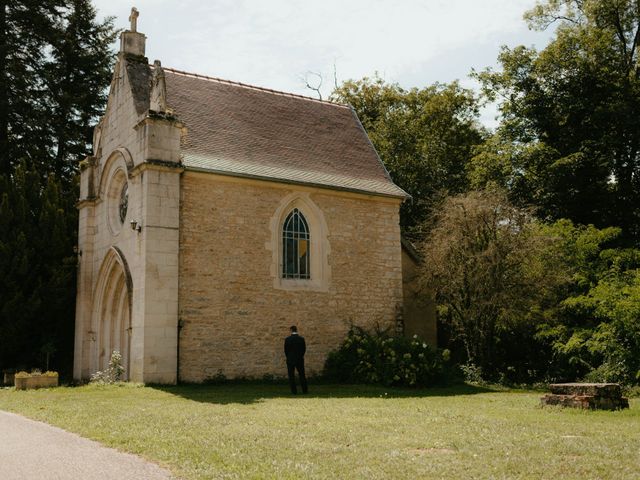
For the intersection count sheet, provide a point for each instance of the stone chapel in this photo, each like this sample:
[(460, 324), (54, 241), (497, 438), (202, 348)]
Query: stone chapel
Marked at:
[(214, 215)]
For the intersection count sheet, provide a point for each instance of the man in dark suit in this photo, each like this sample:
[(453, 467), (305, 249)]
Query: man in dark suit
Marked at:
[(294, 349)]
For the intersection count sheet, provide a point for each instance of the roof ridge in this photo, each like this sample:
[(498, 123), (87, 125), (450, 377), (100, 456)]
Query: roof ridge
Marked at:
[(253, 87)]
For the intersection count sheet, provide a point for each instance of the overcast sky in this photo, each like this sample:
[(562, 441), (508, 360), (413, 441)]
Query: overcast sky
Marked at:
[(274, 43)]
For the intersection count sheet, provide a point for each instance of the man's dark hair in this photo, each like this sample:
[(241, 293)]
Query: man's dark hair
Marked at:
[(293, 328)]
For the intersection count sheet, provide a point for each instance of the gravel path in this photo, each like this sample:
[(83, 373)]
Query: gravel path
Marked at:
[(35, 450)]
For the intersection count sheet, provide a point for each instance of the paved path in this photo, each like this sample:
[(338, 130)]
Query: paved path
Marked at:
[(35, 450)]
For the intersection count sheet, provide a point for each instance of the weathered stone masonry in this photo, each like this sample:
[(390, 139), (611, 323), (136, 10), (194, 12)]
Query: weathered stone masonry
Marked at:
[(233, 318)]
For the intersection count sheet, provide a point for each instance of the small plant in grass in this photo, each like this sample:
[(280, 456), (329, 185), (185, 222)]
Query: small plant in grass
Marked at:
[(113, 373), (379, 357), (472, 373)]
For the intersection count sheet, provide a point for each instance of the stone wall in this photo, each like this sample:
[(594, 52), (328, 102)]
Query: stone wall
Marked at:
[(234, 317)]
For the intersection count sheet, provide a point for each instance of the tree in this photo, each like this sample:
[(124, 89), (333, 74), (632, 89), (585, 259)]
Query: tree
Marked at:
[(424, 137), (55, 64), (37, 269), (490, 270), (569, 141), (79, 70), (26, 30), (593, 330)]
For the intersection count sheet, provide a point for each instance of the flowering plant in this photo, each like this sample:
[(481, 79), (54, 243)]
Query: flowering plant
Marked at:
[(113, 373), (379, 357)]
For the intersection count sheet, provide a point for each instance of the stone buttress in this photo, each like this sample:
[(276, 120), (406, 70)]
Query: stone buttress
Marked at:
[(127, 296)]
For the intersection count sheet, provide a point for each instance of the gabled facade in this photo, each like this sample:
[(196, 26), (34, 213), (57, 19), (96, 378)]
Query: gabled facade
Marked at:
[(214, 215)]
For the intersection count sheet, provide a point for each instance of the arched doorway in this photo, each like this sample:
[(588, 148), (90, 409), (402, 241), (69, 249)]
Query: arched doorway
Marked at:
[(112, 313)]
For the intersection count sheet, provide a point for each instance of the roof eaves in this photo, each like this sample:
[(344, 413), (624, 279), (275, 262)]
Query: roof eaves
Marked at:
[(294, 182)]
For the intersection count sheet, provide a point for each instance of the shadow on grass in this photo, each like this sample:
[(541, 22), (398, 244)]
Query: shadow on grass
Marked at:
[(246, 393)]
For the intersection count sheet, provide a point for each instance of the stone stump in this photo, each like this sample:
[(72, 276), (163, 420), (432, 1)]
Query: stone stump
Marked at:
[(594, 396)]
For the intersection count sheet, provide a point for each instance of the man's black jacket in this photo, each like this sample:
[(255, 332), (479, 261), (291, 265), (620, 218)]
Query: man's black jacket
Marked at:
[(294, 348)]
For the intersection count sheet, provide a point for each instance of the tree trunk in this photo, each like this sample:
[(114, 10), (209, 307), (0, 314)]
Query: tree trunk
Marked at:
[(4, 104)]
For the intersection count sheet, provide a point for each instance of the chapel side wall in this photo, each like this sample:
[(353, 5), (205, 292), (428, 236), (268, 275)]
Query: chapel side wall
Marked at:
[(234, 319)]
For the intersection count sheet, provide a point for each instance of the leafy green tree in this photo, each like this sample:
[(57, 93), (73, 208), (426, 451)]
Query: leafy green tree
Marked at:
[(593, 330), (569, 141), (55, 64), (492, 271), (610, 351), (424, 137)]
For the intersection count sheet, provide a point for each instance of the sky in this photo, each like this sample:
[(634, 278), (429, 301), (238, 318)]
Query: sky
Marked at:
[(276, 43)]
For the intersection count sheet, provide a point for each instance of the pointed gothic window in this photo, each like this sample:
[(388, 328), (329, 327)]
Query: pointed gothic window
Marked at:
[(295, 246)]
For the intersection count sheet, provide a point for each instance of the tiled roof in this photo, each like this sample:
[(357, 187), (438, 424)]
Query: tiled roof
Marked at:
[(236, 129)]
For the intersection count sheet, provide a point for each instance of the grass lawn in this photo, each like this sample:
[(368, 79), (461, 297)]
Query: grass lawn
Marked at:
[(258, 431)]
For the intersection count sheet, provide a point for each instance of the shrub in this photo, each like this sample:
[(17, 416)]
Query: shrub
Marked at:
[(113, 373), (472, 373), (379, 357)]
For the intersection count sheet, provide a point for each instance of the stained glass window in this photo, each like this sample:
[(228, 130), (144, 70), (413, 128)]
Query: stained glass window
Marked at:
[(295, 246), (124, 202)]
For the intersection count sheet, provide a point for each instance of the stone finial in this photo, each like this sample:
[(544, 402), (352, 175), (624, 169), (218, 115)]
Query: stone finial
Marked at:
[(132, 41), (133, 18)]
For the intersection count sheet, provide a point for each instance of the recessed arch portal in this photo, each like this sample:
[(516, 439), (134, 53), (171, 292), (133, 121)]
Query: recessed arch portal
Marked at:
[(111, 319)]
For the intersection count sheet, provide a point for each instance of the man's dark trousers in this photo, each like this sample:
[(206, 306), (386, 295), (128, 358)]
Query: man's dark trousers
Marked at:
[(294, 349), (291, 368)]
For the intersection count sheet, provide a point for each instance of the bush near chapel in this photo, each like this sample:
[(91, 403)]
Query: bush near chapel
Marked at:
[(379, 357), (113, 373)]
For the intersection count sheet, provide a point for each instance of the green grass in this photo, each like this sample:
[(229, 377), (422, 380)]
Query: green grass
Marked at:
[(258, 431)]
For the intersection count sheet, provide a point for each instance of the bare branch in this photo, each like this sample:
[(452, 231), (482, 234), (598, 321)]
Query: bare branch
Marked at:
[(310, 86)]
